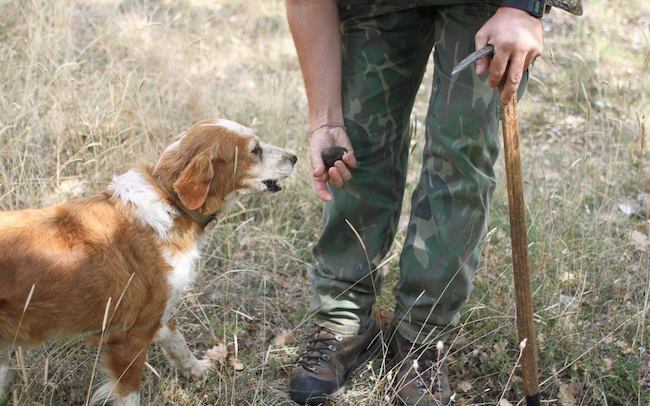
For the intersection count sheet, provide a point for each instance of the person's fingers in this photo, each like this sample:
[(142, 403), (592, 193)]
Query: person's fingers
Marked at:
[(317, 165), (349, 159), (343, 170), (513, 77), (344, 141), (336, 179), (498, 67), (324, 177), (482, 65), (321, 191), (529, 60)]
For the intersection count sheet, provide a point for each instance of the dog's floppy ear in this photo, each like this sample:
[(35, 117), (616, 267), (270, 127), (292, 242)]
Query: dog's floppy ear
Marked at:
[(193, 184)]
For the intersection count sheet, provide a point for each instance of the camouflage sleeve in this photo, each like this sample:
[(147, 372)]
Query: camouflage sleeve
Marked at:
[(572, 6)]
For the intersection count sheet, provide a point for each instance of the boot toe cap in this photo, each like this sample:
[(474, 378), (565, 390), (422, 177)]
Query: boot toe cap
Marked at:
[(308, 390)]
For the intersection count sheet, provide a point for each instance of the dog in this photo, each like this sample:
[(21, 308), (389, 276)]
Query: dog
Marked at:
[(112, 266)]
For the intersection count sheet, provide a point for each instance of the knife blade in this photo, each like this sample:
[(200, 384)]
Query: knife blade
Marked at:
[(471, 58)]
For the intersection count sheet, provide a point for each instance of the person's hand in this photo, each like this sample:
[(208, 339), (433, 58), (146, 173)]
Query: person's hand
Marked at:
[(517, 38), (337, 175)]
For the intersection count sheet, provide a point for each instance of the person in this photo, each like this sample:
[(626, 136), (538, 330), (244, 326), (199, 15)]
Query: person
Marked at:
[(362, 63)]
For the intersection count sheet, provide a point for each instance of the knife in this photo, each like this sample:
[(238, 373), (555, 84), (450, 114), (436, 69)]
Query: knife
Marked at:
[(473, 57)]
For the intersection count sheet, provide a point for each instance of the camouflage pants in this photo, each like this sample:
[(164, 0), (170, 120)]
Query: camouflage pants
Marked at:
[(386, 46)]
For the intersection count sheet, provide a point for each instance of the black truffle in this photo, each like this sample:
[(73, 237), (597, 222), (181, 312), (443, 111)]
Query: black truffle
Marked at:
[(332, 154)]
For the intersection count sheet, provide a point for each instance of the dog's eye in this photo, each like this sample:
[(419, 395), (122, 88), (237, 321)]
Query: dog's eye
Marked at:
[(257, 150)]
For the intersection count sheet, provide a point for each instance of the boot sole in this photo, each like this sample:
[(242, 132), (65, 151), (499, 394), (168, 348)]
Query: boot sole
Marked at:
[(306, 399)]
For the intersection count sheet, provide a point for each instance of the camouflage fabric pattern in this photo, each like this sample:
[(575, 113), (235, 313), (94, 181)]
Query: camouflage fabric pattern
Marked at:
[(572, 6), (385, 54), (378, 7)]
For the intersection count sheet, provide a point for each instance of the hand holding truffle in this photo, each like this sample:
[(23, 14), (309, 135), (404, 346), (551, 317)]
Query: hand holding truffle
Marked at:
[(332, 158)]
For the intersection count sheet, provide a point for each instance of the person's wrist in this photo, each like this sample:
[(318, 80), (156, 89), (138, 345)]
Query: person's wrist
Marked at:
[(330, 125), (331, 116), (512, 11)]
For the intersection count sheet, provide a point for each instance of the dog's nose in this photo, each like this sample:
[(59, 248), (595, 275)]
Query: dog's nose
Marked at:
[(293, 159)]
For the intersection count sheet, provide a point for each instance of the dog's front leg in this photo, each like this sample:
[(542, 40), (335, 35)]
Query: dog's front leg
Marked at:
[(6, 377), (178, 354)]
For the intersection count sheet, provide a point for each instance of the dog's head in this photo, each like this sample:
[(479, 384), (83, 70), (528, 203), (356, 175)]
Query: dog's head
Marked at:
[(217, 160)]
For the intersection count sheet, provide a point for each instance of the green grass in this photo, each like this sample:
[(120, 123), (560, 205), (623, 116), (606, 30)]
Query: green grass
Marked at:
[(90, 88)]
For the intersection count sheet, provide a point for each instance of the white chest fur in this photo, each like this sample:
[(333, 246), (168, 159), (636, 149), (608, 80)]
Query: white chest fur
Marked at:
[(181, 276), (151, 209)]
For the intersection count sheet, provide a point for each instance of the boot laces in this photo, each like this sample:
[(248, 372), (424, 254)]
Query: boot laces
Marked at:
[(319, 348)]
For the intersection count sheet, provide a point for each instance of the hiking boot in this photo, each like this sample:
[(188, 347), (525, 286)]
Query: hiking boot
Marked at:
[(328, 361), (421, 378)]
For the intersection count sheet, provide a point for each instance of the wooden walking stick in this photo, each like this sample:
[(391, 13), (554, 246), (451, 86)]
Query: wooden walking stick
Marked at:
[(518, 236), (519, 243)]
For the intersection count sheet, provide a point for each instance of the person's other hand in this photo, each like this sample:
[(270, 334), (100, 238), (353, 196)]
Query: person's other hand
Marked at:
[(517, 38), (337, 175)]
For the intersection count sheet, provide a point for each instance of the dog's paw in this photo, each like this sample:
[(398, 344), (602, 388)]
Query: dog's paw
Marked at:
[(200, 368)]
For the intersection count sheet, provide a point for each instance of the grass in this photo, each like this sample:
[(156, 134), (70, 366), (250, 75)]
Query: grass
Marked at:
[(88, 88)]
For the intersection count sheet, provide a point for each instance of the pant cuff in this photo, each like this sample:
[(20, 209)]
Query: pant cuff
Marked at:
[(349, 328), (425, 335)]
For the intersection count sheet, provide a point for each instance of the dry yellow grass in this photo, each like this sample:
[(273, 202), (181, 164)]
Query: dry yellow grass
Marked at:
[(88, 88)]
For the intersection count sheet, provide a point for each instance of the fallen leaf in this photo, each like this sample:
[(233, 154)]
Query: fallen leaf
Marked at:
[(217, 354), (283, 337), (565, 395), (236, 364), (639, 241), (504, 402), (464, 386), (608, 363), (625, 347)]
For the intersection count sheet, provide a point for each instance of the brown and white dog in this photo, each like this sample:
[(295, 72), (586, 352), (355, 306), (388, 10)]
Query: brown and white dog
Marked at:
[(112, 266)]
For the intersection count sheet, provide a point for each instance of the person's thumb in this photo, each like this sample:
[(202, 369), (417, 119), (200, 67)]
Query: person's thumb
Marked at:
[(316, 159)]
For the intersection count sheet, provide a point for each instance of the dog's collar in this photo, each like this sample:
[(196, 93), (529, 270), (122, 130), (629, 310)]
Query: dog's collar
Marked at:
[(196, 215)]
